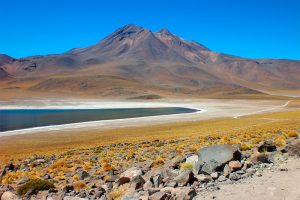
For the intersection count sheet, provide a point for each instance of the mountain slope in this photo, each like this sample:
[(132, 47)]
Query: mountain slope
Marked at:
[(134, 58)]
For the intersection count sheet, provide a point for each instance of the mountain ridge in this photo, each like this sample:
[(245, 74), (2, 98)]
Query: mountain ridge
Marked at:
[(158, 61)]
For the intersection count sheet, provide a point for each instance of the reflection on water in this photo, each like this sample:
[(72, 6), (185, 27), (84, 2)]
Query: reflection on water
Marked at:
[(19, 119)]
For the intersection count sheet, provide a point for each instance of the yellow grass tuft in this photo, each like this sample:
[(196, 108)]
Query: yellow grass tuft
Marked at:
[(79, 185), (186, 166)]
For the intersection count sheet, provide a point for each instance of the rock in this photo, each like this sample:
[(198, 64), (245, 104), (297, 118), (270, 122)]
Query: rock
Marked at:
[(258, 174), (203, 178), (210, 167), (235, 165), (148, 184), (264, 158), (83, 175), (294, 148), (234, 176), (68, 188), (266, 146), (183, 193), (46, 177), (283, 168), (137, 182), (171, 183), (220, 153), (157, 180), (170, 173), (22, 181), (131, 196), (222, 178), (9, 196), (39, 161), (10, 167), (153, 190), (112, 178), (132, 172), (158, 196), (194, 161), (123, 180), (99, 192), (214, 175), (74, 198), (144, 195), (227, 170), (55, 197), (184, 178)]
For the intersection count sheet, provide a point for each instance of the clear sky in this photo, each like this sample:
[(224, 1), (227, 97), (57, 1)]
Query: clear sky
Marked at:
[(248, 28)]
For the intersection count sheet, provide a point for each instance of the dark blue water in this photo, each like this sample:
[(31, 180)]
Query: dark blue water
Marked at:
[(21, 119)]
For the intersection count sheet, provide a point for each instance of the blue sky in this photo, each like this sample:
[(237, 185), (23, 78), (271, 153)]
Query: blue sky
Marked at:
[(248, 28)]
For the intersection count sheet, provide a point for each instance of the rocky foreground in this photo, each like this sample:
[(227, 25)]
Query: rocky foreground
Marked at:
[(183, 177)]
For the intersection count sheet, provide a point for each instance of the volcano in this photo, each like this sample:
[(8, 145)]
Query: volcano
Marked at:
[(135, 62)]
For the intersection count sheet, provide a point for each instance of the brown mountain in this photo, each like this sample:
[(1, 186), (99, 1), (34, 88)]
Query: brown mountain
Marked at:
[(134, 61)]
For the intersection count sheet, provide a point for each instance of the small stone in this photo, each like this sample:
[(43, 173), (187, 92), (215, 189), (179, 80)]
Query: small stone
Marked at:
[(210, 167), (112, 178), (171, 184), (227, 170), (123, 180), (46, 177), (68, 188), (283, 169), (132, 172), (222, 178), (266, 146), (258, 174), (203, 178), (74, 198), (137, 182), (235, 165), (234, 176), (184, 178), (214, 175), (156, 180), (39, 161), (153, 190), (148, 184), (83, 175), (158, 196)]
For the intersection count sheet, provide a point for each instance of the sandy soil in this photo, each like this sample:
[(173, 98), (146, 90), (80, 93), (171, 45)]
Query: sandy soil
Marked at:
[(209, 109), (273, 185)]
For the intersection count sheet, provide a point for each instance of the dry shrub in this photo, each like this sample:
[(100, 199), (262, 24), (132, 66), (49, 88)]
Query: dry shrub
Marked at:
[(158, 161), (117, 194), (246, 146), (186, 166), (292, 134), (37, 185), (280, 141), (79, 185)]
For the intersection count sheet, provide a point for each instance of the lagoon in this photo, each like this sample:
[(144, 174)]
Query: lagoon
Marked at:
[(16, 119)]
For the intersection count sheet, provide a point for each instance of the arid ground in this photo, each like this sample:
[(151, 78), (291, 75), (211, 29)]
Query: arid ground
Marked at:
[(217, 116)]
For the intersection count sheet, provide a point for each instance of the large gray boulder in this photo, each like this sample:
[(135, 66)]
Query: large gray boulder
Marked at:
[(214, 157)]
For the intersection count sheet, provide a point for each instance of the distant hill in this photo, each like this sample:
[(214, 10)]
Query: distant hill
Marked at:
[(134, 61)]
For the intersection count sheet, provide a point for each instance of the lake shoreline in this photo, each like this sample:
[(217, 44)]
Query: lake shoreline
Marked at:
[(207, 109)]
